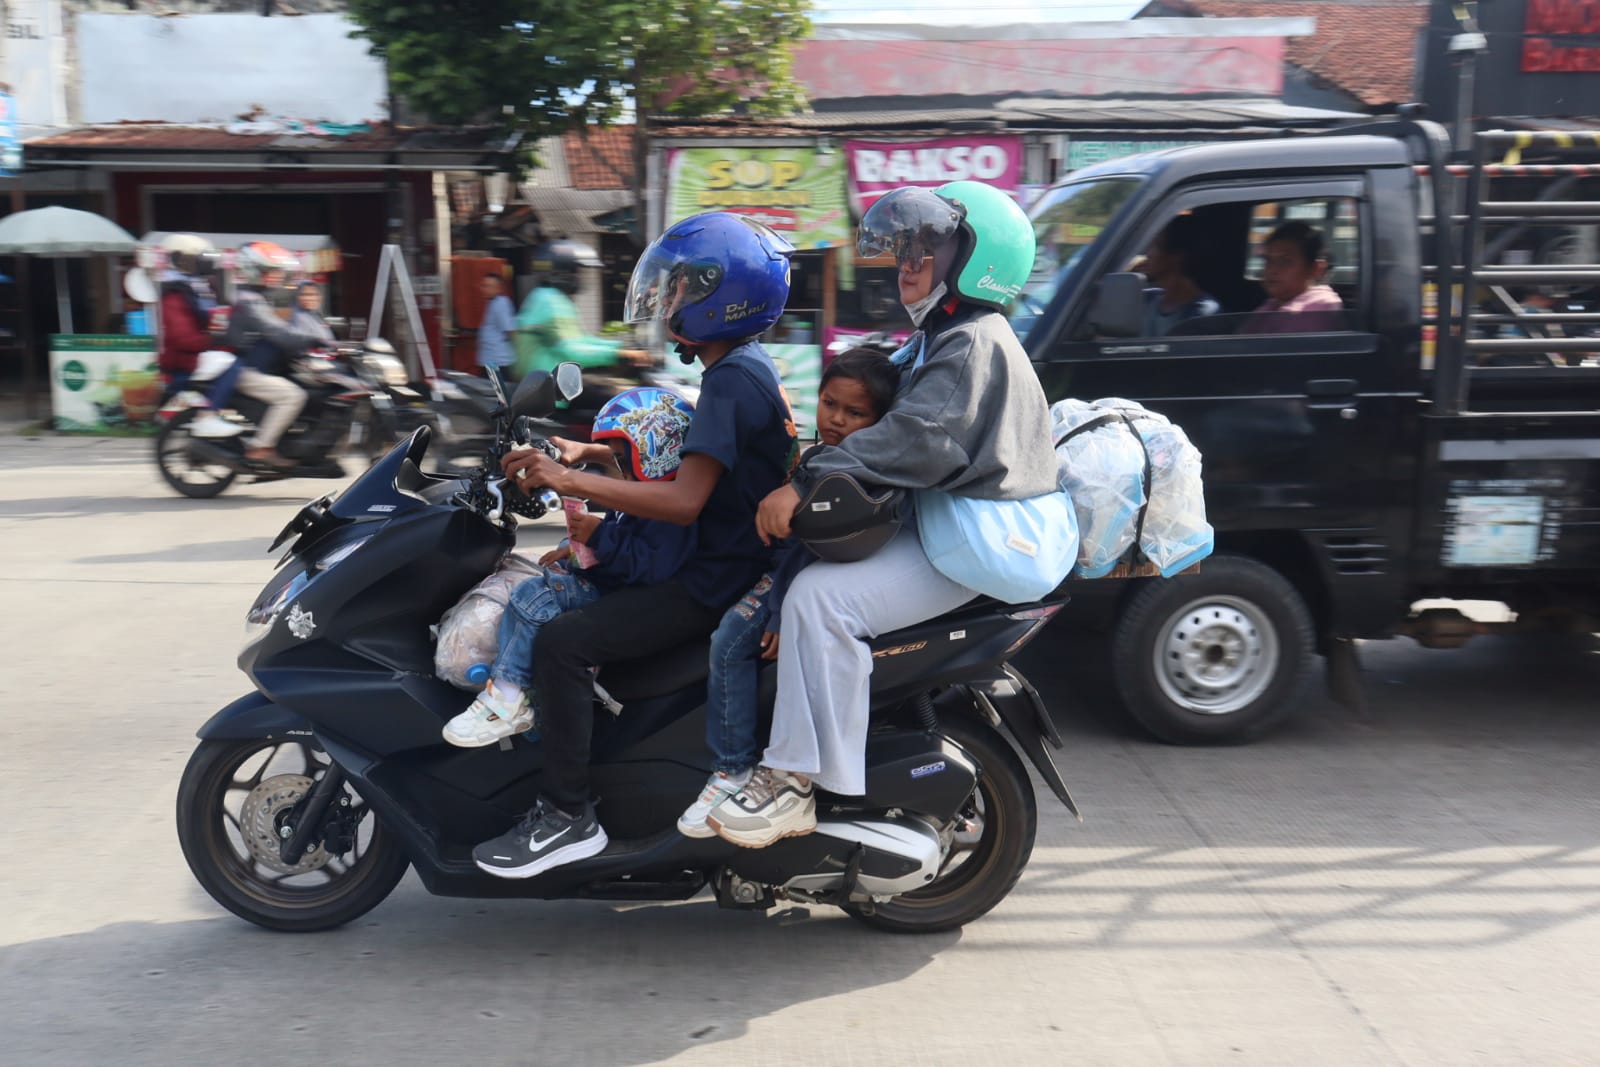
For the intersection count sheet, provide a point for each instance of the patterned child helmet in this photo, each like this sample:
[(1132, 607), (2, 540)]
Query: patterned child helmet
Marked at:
[(716, 276), (653, 422)]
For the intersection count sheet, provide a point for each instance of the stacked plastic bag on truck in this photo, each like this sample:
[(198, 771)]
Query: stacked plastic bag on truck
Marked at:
[(469, 633), (1101, 451)]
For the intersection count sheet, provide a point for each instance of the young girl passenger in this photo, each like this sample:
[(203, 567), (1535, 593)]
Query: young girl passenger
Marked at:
[(644, 428), (857, 388)]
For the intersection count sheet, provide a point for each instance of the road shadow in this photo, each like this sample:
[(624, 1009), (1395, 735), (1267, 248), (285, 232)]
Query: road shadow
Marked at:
[(424, 980), (245, 548)]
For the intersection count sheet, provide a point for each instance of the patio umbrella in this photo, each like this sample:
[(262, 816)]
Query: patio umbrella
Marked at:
[(62, 231)]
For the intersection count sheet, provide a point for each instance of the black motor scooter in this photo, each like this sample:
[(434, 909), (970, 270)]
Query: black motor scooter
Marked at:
[(306, 800)]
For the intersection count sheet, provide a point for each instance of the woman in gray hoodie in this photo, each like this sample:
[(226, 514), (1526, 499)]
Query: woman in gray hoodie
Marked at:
[(970, 419)]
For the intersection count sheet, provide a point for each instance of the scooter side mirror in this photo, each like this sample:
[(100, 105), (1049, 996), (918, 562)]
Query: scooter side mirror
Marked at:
[(569, 380), (535, 395)]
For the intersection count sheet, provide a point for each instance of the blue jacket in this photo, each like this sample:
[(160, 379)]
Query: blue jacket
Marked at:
[(635, 551)]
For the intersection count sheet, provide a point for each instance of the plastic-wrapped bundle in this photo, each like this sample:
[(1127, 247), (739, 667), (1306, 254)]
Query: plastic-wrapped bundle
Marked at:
[(469, 633), (1102, 449), (1101, 467), (1176, 534)]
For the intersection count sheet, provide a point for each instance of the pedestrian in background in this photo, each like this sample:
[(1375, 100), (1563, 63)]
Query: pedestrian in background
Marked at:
[(494, 332)]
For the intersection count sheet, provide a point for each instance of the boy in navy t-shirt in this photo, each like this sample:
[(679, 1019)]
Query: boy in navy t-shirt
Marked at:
[(717, 280)]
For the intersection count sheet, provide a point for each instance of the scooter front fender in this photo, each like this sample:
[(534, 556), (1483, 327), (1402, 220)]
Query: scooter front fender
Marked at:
[(1015, 702), (250, 717)]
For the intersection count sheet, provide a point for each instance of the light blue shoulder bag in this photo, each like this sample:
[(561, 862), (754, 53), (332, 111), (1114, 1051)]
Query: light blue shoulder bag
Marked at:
[(1012, 550)]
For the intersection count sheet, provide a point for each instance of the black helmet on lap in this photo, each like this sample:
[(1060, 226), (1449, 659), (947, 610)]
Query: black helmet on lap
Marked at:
[(843, 521)]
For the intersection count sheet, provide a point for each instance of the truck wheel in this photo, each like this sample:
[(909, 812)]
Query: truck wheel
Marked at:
[(1213, 657)]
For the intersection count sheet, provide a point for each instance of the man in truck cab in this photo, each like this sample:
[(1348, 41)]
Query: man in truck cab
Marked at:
[(1174, 296), (1295, 259)]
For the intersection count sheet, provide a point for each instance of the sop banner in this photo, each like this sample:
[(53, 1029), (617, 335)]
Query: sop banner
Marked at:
[(797, 191), (876, 167)]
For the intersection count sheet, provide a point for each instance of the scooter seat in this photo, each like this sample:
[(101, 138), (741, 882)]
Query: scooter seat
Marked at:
[(661, 672)]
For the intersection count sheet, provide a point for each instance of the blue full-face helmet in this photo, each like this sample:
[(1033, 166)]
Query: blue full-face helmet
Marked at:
[(716, 276)]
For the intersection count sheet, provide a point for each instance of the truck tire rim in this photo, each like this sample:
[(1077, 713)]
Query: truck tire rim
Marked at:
[(1216, 655)]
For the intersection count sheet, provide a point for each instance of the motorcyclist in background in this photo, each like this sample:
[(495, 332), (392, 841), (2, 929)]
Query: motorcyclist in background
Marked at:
[(548, 330), (267, 346), (186, 349)]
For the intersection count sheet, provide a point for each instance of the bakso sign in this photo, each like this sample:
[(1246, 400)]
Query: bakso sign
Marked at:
[(876, 167), (797, 191)]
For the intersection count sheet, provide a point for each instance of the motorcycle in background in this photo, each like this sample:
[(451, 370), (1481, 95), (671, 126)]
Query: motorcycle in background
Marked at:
[(351, 408)]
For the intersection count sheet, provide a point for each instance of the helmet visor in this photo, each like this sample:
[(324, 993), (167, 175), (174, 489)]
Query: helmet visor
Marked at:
[(909, 224), (663, 285)]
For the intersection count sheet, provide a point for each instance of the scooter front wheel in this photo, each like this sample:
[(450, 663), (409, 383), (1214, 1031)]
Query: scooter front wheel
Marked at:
[(238, 801), (184, 464), (991, 843)]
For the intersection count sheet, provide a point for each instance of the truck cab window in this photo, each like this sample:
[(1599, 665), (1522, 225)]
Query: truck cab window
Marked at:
[(1250, 268)]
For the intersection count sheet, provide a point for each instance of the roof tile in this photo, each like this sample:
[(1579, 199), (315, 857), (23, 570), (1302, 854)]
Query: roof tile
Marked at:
[(599, 157), (1368, 49)]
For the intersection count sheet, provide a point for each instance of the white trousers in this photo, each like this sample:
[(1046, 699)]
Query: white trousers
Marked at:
[(819, 724), (284, 399)]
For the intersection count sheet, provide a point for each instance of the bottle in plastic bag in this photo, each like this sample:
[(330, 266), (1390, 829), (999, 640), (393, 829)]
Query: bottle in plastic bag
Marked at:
[(469, 633)]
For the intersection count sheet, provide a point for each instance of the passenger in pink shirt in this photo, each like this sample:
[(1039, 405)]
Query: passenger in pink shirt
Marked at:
[(1297, 301)]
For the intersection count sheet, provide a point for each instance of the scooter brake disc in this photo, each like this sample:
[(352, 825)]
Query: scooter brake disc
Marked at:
[(260, 824)]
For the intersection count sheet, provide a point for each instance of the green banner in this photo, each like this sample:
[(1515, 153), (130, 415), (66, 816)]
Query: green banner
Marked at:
[(104, 382), (799, 192)]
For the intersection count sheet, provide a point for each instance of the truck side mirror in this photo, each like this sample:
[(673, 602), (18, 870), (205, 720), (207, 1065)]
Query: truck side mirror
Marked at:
[(1118, 306)]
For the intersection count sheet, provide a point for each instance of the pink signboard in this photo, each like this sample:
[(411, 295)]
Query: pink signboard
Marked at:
[(876, 167)]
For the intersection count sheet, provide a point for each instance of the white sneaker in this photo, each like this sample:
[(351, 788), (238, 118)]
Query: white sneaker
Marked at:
[(210, 424), (489, 719), (692, 823)]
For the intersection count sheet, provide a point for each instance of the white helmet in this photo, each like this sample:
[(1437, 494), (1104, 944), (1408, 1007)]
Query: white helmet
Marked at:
[(189, 253)]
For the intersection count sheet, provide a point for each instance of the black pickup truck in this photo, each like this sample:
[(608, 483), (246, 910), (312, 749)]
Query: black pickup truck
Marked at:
[(1427, 441)]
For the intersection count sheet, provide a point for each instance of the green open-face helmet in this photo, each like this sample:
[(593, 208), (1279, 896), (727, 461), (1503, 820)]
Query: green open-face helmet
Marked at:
[(992, 239)]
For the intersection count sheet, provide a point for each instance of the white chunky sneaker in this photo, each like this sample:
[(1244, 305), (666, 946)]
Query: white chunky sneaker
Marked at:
[(692, 823), (489, 719), (773, 805)]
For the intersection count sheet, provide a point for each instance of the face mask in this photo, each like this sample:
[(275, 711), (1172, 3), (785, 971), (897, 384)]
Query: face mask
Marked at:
[(919, 310)]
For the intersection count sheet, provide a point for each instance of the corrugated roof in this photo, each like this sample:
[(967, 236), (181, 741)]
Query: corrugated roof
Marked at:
[(173, 137), (1020, 113), (1368, 49), (565, 212)]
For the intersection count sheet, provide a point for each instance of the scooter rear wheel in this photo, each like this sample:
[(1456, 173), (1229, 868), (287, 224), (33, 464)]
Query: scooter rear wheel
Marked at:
[(178, 467), (982, 867), (234, 804)]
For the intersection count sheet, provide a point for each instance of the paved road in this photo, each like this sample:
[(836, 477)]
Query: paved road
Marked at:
[(1421, 887)]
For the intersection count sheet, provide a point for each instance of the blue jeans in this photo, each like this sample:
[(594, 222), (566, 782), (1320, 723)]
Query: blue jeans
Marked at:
[(731, 684), (535, 602)]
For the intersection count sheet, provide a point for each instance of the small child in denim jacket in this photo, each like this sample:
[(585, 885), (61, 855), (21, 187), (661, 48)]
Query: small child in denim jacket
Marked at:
[(856, 390), (644, 428)]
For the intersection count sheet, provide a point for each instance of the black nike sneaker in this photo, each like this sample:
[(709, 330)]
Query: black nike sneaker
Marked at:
[(546, 837)]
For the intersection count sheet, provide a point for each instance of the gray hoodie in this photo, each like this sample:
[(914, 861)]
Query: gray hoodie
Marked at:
[(972, 420)]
